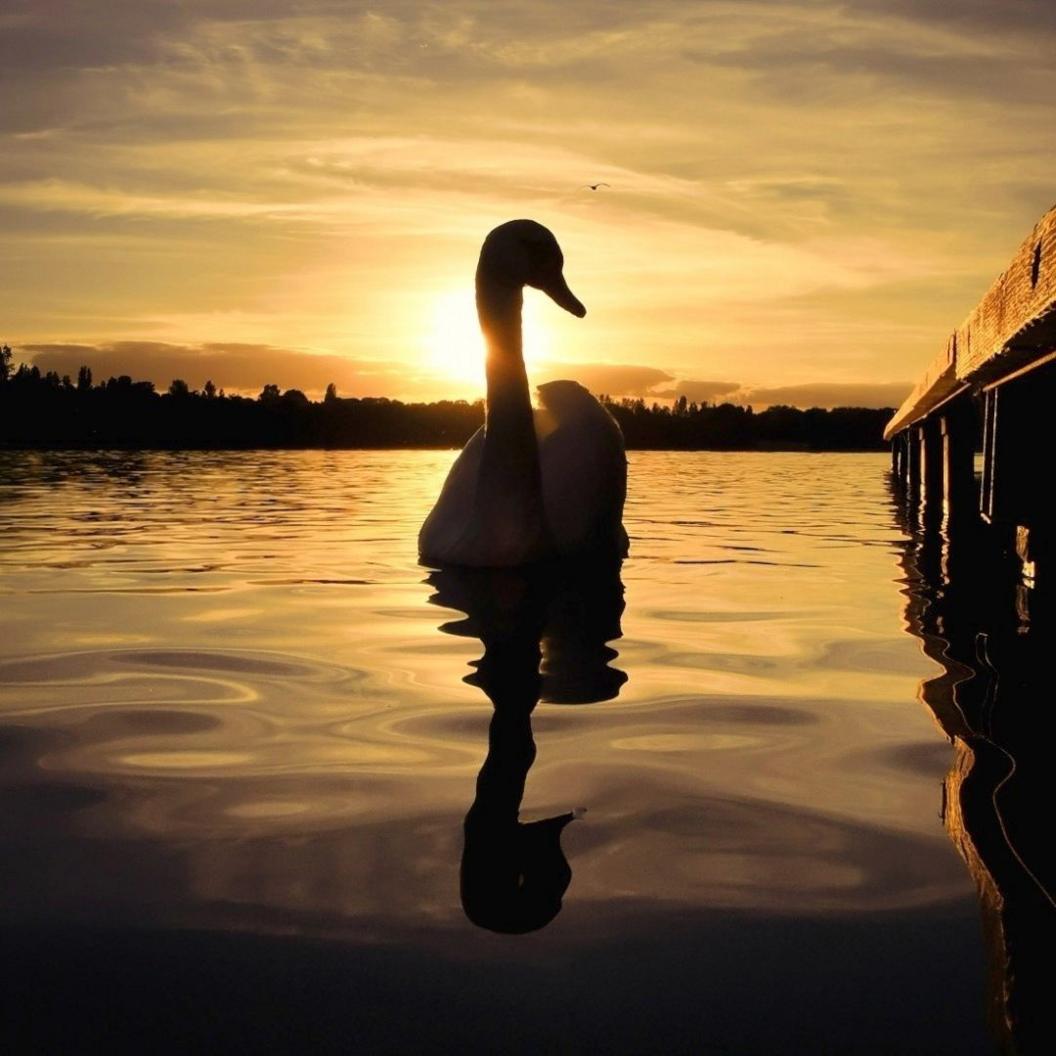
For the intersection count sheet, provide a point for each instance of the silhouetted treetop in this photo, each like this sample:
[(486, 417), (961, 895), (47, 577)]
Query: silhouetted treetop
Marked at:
[(48, 411)]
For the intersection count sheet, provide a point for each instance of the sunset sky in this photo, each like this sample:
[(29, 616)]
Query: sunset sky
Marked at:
[(805, 197)]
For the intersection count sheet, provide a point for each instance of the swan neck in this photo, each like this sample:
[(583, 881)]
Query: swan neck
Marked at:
[(499, 310), (509, 497)]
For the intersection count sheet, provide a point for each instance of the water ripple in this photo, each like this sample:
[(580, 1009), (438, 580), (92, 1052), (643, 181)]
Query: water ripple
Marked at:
[(222, 683)]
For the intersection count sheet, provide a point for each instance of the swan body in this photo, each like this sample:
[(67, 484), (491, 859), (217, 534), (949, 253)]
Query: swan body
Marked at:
[(530, 484), (583, 472)]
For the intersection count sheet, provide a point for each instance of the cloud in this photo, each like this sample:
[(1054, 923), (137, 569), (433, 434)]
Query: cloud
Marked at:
[(704, 391), (317, 175), (611, 379), (246, 368), (1031, 18), (235, 367), (825, 394)]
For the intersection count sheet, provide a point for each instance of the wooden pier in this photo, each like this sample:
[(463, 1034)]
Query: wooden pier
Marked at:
[(980, 585), (992, 387)]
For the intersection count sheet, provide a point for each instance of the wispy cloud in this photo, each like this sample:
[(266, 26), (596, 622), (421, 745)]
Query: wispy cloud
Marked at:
[(799, 190), (825, 394), (238, 367)]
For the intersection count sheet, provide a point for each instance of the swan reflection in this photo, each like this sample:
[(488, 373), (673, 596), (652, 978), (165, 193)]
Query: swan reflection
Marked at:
[(545, 631)]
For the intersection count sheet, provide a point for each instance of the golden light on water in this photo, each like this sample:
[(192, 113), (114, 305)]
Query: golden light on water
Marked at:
[(243, 709), (241, 725)]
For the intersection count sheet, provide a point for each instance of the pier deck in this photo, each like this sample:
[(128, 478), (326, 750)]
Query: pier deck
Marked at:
[(993, 385)]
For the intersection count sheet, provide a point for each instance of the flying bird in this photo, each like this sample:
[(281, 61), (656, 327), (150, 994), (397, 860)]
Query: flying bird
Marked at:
[(595, 186)]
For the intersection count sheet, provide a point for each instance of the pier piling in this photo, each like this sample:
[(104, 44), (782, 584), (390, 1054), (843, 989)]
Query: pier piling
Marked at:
[(959, 440), (931, 469)]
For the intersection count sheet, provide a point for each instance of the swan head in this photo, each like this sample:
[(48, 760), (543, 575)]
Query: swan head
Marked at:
[(524, 253)]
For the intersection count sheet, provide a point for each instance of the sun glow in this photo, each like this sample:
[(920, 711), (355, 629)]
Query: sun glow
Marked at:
[(453, 343)]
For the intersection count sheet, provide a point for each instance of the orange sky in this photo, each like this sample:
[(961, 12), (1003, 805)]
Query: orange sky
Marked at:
[(805, 196)]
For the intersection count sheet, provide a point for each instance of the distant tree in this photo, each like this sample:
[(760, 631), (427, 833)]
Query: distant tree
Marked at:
[(33, 410), (66, 383), (5, 362)]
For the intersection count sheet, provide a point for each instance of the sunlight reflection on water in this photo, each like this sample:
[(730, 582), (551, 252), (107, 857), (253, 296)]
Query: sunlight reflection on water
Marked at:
[(225, 700)]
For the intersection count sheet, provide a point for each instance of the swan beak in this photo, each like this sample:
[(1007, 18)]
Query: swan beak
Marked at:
[(559, 292)]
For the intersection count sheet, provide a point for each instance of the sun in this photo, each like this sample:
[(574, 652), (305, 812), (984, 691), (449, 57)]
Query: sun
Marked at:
[(453, 343)]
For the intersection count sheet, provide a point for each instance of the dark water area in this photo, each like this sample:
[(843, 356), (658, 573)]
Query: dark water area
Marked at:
[(270, 786), (981, 616)]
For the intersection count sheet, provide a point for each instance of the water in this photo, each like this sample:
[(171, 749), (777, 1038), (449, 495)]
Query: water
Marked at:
[(237, 749)]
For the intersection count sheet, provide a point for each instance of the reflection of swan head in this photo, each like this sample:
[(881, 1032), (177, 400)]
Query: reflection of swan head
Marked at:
[(524, 253), (513, 881)]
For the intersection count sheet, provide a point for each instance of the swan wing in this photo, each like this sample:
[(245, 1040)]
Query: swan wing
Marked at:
[(452, 516), (584, 475), (584, 471)]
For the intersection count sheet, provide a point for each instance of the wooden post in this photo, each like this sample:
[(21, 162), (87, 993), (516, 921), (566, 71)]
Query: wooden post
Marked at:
[(899, 459), (913, 469), (1021, 462), (931, 469), (1015, 453), (960, 495), (987, 504)]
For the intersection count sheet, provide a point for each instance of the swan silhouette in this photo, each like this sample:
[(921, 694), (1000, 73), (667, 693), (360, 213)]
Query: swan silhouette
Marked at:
[(528, 486)]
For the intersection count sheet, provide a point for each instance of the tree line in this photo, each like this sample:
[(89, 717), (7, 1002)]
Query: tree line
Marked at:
[(48, 411)]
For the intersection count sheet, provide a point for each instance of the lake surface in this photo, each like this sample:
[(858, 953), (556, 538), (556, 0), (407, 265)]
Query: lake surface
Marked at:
[(238, 749)]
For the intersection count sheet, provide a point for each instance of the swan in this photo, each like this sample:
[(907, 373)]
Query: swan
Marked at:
[(529, 485)]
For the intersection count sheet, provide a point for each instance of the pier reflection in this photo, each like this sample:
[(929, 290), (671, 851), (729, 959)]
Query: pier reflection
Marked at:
[(545, 633), (993, 636)]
